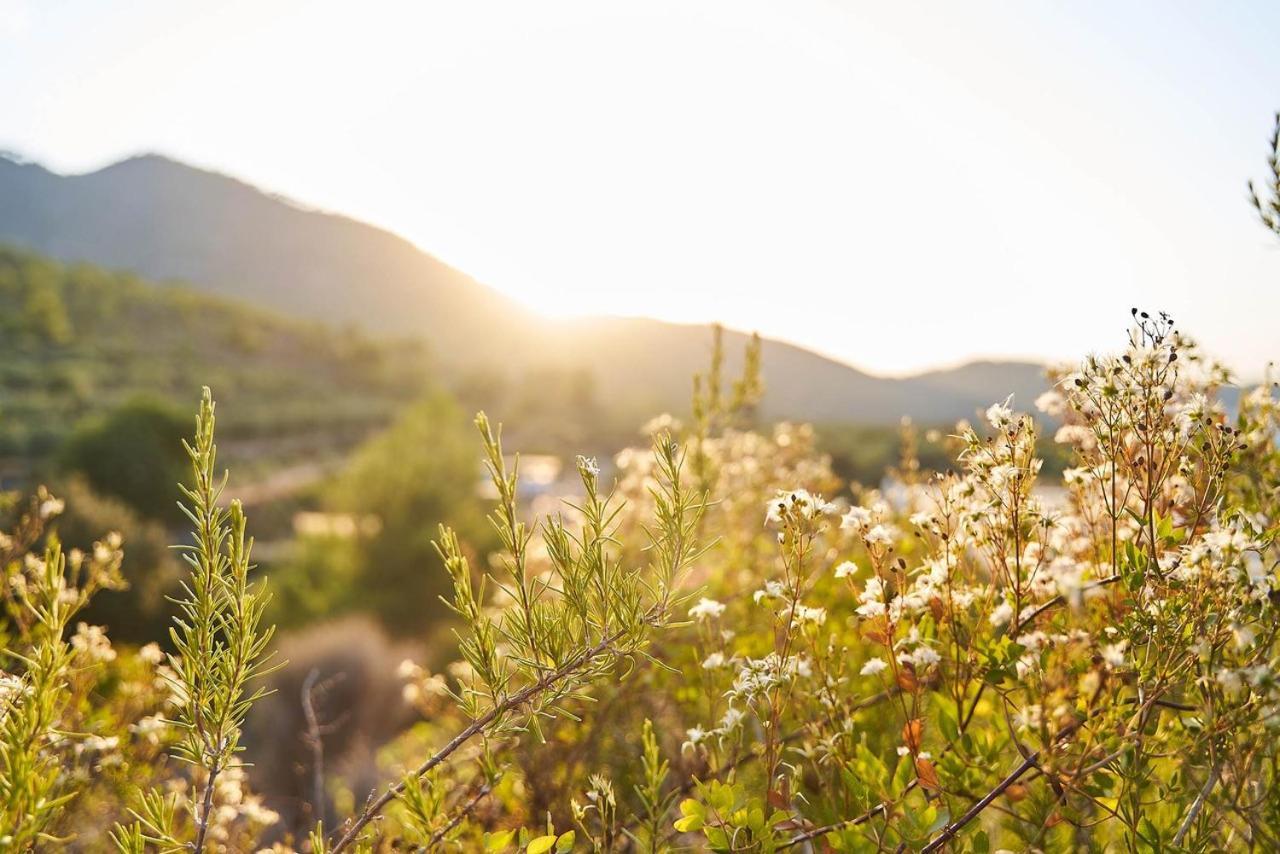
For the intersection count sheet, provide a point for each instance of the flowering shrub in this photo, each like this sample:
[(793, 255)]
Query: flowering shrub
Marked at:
[(725, 651)]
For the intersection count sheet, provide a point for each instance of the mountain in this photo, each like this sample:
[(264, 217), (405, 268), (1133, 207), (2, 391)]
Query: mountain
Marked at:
[(166, 220)]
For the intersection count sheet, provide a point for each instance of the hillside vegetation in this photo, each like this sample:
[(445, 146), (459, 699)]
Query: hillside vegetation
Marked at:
[(76, 340)]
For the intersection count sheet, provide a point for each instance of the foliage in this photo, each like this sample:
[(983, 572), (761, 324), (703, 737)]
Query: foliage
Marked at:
[(1268, 204), (711, 655)]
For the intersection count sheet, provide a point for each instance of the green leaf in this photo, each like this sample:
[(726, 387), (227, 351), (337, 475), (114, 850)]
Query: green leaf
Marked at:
[(541, 845), (499, 840)]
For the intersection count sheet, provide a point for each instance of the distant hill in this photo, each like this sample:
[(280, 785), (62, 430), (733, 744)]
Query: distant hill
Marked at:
[(166, 220)]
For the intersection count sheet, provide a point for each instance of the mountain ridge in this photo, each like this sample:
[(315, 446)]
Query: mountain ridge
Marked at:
[(167, 220)]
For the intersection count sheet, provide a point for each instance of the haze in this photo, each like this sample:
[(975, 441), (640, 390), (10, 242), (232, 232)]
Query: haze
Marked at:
[(1004, 181)]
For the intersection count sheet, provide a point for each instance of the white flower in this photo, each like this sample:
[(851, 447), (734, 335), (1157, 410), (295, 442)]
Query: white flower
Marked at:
[(1001, 614), (694, 736), (151, 653), (1230, 681), (880, 535), (856, 520), (150, 727), (771, 590), (805, 614), (1113, 653), (10, 687), (92, 642), (706, 608), (1244, 636), (589, 466), (872, 598), (999, 415), (924, 656), (873, 666), (732, 717), (846, 569), (713, 661), (1051, 403), (51, 507)]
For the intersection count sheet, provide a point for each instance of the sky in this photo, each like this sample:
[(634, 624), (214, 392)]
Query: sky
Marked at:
[(898, 185)]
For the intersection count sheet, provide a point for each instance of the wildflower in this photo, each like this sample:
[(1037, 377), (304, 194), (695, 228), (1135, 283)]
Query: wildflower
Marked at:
[(880, 535), (845, 569), (10, 687), (873, 666), (693, 737), (713, 661), (732, 717), (1030, 717), (1052, 403), (1113, 653), (150, 727), (1001, 614), (1230, 681), (999, 415), (92, 642), (706, 608), (805, 614), (664, 423), (856, 520), (151, 653), (925, 656), (588, 465), (51, 507), (797, 505), (772, 590), (872, 598)]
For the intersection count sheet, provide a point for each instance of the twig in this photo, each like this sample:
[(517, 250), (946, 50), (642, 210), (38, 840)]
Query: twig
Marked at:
[(470, 805), (1199, 803), (314, 738), (848, 822)]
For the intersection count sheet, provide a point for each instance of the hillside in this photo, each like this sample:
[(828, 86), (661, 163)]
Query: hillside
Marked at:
[(165, 220), (76, 340)]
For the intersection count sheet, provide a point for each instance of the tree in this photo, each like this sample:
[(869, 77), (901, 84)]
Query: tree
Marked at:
[(133, 453), (420, 473)]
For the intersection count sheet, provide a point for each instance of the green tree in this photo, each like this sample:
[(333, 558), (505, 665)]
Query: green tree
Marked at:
[(133, 453), (420, 473)]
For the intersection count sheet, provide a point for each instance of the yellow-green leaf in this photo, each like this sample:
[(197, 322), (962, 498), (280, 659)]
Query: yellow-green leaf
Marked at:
[(541, 845)]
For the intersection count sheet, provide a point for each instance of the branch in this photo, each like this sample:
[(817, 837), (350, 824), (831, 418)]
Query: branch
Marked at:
[(515, 701), (970, 814), (1199, 803)]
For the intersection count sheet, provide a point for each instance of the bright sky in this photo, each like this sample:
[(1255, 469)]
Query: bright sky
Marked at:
[(899, 185)]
